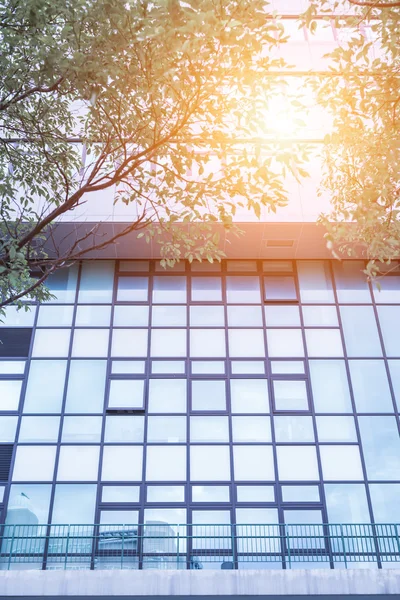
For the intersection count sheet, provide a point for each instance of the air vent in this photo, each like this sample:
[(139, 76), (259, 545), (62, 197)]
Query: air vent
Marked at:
[(125, 411), (5, 461), (15, 341), (280, 243)]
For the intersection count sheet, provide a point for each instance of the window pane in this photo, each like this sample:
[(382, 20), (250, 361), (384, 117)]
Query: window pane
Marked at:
[(206, 289), (341, 462), (89, 316), (39, 429), (207, 316), (163, 316), (10, 392), (122, 463), (67, 510), (129, 342), (62, 284), (209, 429), (334, 397), (126, 393), (165, 493), (243, 290), (293, 429), (300, 493), (120, 493), (12, 367), (320, 316), (394, 368), (324, 342), (249, 396), (285, 367), (8, 427), (33, 499), (277, 266), (336, 429), (282, 316), (381, 446), (131, 316), (280, 288), (18, 318), (82, 429), (128, 367), (166, 463), (297, 463), (208, 367), (208, 395), (78, 463), (168, 342), (248, 367), (351, 282), (45, 398), (209, 463), (290, 395), (54, 316), (118, 517), (34, 463), (251, 429), (210, 493), (132, 289), (97, 282), (370, 386), (205, 266), (166, 429), (86, 385), (360, 331), (51, 342), (389, 319), (246, 342), (385, 502), (92, 343), (167, 396), (169, 290), (126, 428), (253, 463), (240, 266), (255, 493), (285, 342), (244, 316), (389, 291), (315, 282), (207, 343), (162, 367)]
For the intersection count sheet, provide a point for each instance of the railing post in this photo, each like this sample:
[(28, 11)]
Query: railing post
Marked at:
[(122, 546), (233, 546), (66, 549), (343, 546), (11, 548), (288, 547), (177, 547)]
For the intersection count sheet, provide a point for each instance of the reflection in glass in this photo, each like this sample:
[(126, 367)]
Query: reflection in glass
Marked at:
[(385, 502), (62, 284), (251, 429), (394, 368), (282, 316), (132, 289), (246, 343), (129, 342), (360, 331), (29, 504), (209, 463), (168, 316), (286, 367), (249, 396), (12, 367), (131, 316), (207, 343), (82, 429), (207, 316), (210, 493), (293, 429), (118, 517), (332, 398), (206, 289), (290, 395), (336, 429), (255, 493), (162, 367), (320, 316), (97, 281), (53, 316), (324, 342), (351, 282), (128, 367), (389, 319), (242, 290), (39, 429), (208, 395), (346, 503), (297, 463), (370, 386), (126, 393), (91, 343), (165, 493), (89, 316), (10, 392), (34, 463), (381, 446), (124, 428), (79, 463), (122, 463), (285, 343), (86, 386), (315, 282), (166, 463), (8, 427), (389, 291), (169, 290), (47, 398), (120, 493), (166, 429), (67, 510), (253, 463), (51, 342), (18, 318), (244, 316), (209, 429), (168, 342), (300, 493), (280, 288), (167, 396), (341, 463)]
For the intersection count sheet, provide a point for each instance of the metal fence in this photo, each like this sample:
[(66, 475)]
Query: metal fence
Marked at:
[(159, 545)]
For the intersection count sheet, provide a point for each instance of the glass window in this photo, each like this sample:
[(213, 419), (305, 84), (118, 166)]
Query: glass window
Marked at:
[(315, 282), (118, 517), (78, 463), (324, 342), (285, 342), (389, 291), (385, 502), (62, 284), (45, 398), (243, 290), (255, 493), (165, 493), (92, 343), (253, 463), (248, 367), (279, 288), (360, 331), (165, 521), (205, 266), (167, 316), (341, 463), (128, 367), (39, 429), (81, 429), (129, 342), (8, 427), (207, 343), (282, 316), (207, 316), (394, 368), (120, 493), (381, 446), (169, 290), (208, 395), (336, 429), (162, 367), (89, 316), (251, 429), (370, 386), (351, 282), (290, 395), (126, 393), (346, 503), (320, 316), (34, 463), (18, 318), (54, 316), (167, 396), (67, 510), (166, 463), (389, 319), (131, 316), (166, 429), (246, 342), (297, 463), (240, 266), (277, 266), (10, 392), (124, 428), (335, 397), (209, 429), (244, 316), (12, 367), (208, 367), (286, 367), (86, 386), (206, 289), (29, 501), (209, 463), (51, 342), (300, 493), (122, 463), (293, 429), (177, 267), (168, 342), (133, 289), (249, 396), (97, 282), (210, 493)]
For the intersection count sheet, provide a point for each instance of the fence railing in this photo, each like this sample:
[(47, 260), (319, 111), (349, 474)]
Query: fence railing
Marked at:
[(159, 545)]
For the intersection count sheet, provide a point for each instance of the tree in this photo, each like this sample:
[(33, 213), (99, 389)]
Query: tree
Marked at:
[(160, 98), (362, 153)]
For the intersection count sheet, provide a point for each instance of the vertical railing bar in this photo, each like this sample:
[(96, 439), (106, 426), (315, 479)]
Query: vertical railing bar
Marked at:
[(177, 547), (11, 548), (67, 548), (288, 547), (343, 546)]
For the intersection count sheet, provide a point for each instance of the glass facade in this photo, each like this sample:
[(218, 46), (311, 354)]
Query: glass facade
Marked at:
[(249, 392)]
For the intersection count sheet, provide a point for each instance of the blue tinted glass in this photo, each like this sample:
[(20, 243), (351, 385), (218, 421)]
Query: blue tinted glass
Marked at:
[(389, 319), (370, 386), (360, 331), (381, 446)]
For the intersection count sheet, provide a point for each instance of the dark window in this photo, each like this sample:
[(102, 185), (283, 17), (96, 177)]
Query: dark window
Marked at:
[(5, 461), (15, 341)]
